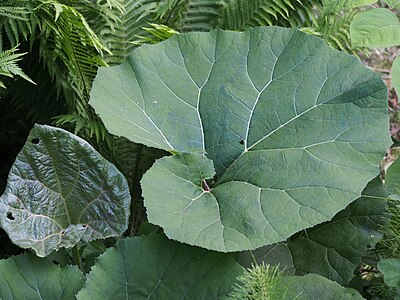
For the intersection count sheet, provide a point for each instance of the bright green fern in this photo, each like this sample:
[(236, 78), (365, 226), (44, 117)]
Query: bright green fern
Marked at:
[(9, 66)]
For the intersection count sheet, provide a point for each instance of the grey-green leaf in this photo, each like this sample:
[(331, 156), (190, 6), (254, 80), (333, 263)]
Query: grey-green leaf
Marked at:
[(293, 128), (154, 267), (27, 277), (375, 28), (61, 191), (390, 269), (334, 249), (313, 287)]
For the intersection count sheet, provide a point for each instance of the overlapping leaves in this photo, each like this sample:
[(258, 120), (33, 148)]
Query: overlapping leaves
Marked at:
[(292, 128)]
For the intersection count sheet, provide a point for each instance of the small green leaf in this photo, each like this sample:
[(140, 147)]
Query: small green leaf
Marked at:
[(313, 287), (390, 269), (375, 28), (27, 277), (153, 267), (61, 191)]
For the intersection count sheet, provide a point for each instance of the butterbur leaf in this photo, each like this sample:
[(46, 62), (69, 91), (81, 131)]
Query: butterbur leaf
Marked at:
[(375, 28), (390, 269), (293, 129), (154, 267), (334, 249), (61, 191), (29, 277), (314, 287)]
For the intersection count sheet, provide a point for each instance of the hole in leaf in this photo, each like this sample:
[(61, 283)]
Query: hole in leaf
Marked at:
[(241, 142), (63, 232), (35, 141), (84, 225), (10, 216)]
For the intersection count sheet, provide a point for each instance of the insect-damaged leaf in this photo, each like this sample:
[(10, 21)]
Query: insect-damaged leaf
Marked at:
[(61, 191), (293, 128)]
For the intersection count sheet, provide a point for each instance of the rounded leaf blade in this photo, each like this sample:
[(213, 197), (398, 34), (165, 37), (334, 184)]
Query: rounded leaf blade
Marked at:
[(61, 191), (293, 128)]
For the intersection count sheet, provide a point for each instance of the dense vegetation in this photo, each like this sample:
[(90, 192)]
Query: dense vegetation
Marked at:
[(196, 150)]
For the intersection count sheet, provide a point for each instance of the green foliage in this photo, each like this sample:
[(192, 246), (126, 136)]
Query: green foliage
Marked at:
[(375, 28), (29, 277), (390, 269), (271, 133), (160, 269), (216, 103), (240, 15), (75, 196), (334, 249), (9, 66), (261, 282), (312, 286)]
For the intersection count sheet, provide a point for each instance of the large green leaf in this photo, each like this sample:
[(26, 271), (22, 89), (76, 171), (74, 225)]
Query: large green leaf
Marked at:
[(313, 287), (60, 191), (153, 267), (375, 28), (27, 277), (334, 249), (293, 128)]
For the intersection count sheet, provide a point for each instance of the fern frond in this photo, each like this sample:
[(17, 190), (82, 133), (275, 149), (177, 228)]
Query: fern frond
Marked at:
[(158, 33), (124, 23), (9, 66), (239, 15), (87, 128), (335, 30), (193, 15)]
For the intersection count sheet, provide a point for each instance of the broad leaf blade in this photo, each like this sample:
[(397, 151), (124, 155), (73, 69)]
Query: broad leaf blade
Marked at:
[(293, 128), (28, 277), (160, 269), (61, 191), (315, 287), (375, 28), (334, 249)]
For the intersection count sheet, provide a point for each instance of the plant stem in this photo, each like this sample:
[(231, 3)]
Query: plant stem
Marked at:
[(77, 257), (254, 258)]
